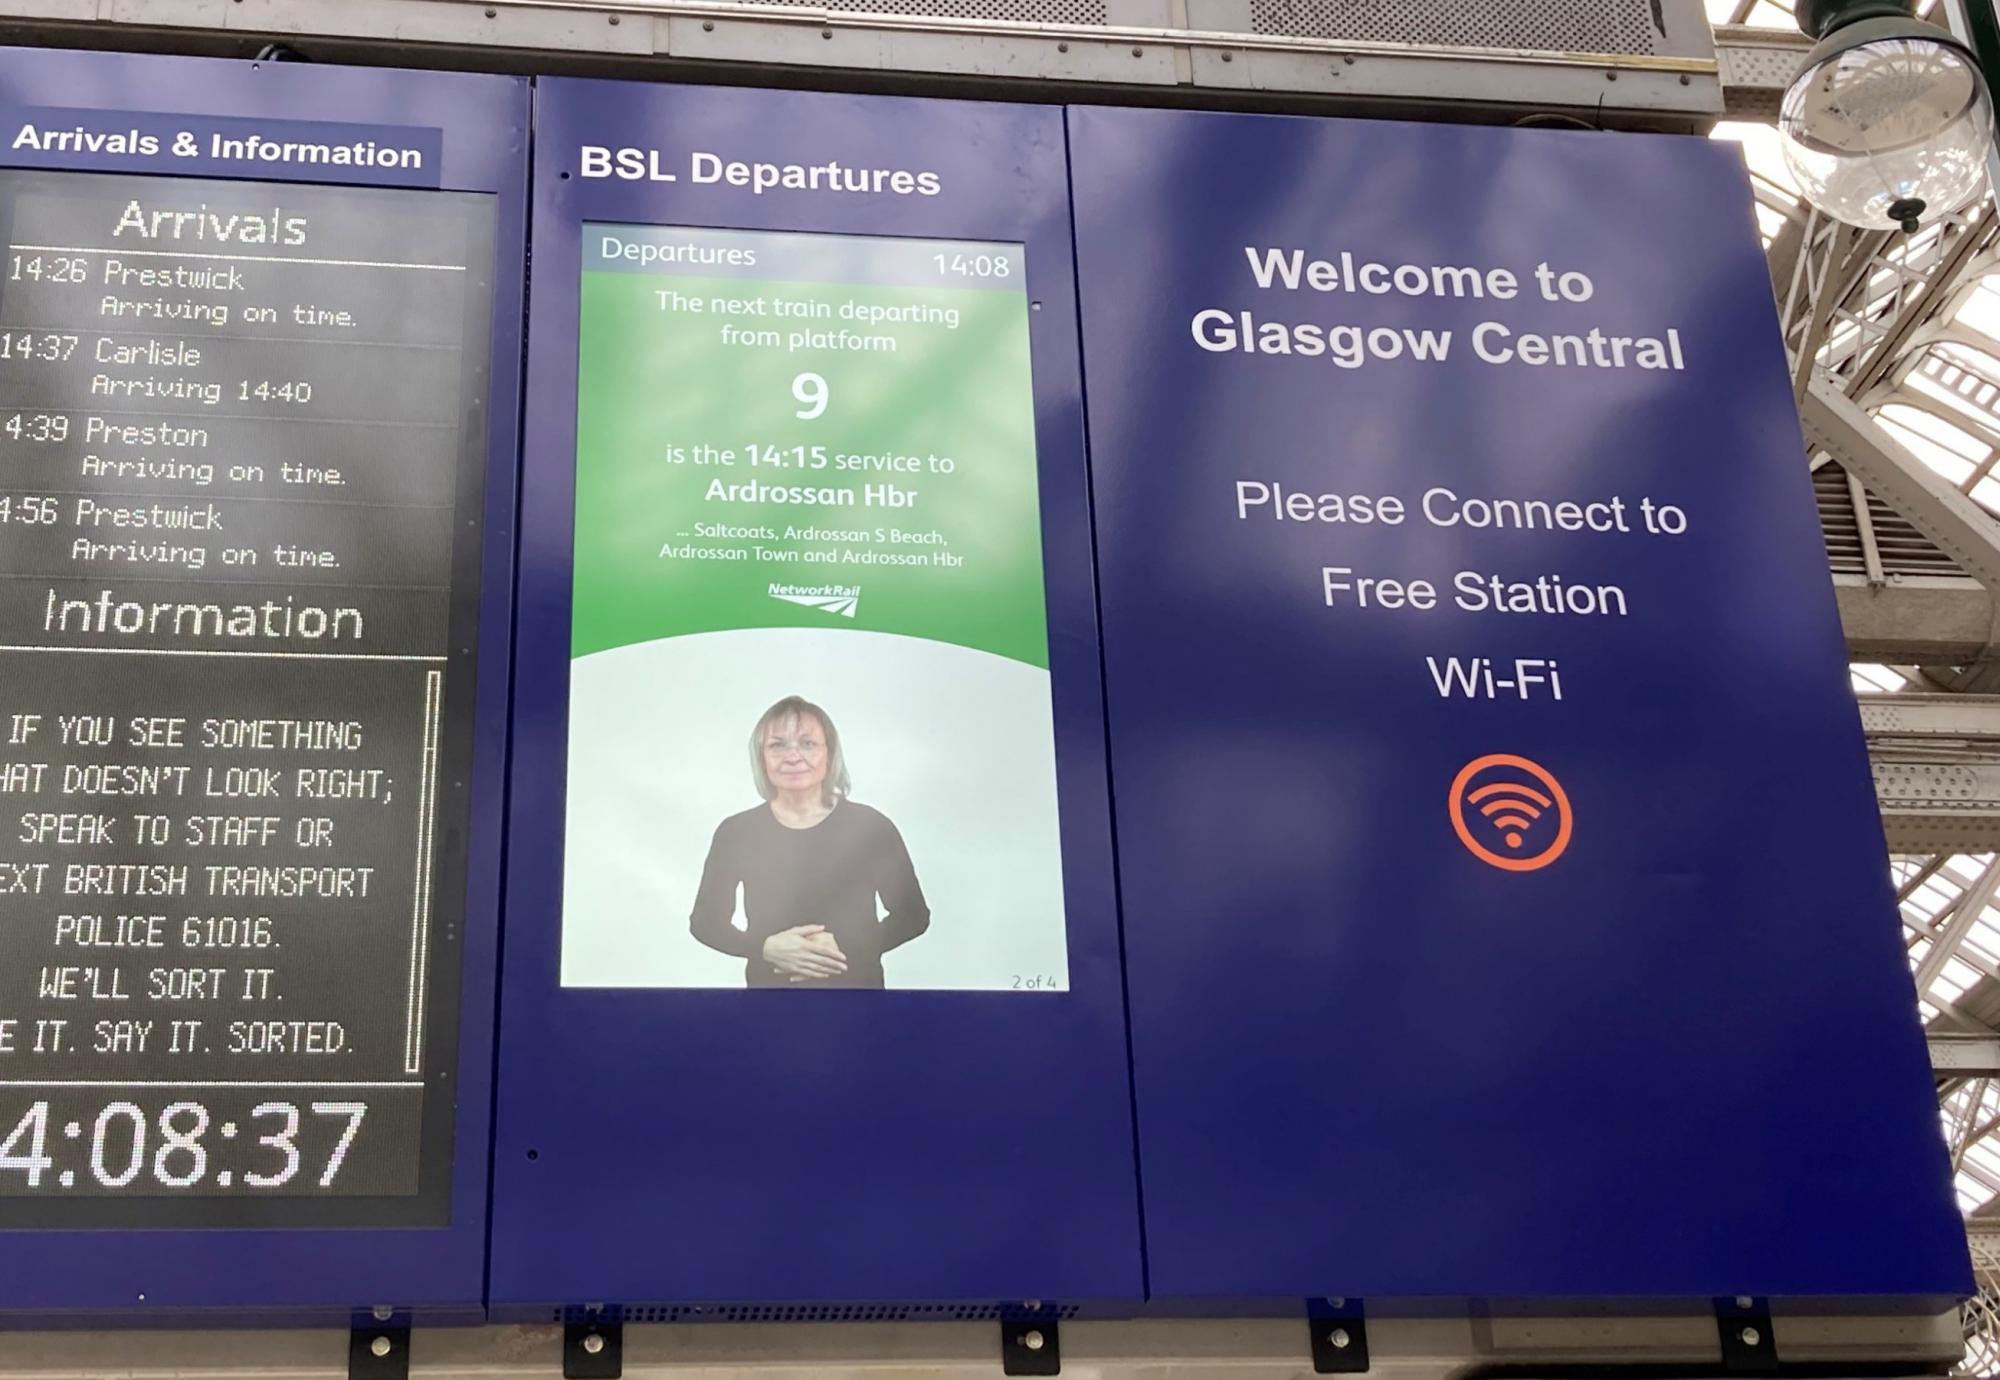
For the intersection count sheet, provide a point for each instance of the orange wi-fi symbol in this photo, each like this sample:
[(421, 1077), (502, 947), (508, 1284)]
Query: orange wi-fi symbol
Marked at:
[(1512, 808)]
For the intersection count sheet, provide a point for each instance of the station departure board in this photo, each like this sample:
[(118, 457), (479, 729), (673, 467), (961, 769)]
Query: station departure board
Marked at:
[(242, 440)]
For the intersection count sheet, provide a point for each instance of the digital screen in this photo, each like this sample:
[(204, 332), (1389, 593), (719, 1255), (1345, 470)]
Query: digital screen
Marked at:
[(811, 742), (242, 440)]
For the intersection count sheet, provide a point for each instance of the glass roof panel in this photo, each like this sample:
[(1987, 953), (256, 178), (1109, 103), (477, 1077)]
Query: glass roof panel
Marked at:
[(1870, 677), (1926, 434), (1763, 12), (1982, 309)]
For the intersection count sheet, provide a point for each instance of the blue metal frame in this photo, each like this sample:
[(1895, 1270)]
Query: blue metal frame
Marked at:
[(480, 125), (1367, 1063), (981, 1142)]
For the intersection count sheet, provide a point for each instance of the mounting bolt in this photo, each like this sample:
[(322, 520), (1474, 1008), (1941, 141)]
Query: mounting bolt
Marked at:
[(1745, 1301), (826, 33), (1751, 1336), (383, 1312), (708, 26), (1062, 47), (1337, 1303), (593, 1343), (1611, 76), (1339, 1337), (380, 1346), (1229, 57), (1137, 51), (614, 19)]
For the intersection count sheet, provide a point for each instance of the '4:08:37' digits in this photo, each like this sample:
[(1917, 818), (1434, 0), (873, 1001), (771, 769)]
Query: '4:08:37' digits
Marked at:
[(183, 1147)]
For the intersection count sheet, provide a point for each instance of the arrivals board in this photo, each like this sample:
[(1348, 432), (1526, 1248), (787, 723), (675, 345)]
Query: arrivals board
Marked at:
[(1504, 896), (230, 554), (811, 839), (246, 526)]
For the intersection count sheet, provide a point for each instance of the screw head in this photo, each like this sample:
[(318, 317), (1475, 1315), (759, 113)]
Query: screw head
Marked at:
[(1033, 1339), (593, 1343), (383, 1312), (1339, 1338), (1137, 51), (1745, 1301), (1337, 1303), (380, 1346), (1062, 47), (1751, 1336), (708, 26), (1229, 57)]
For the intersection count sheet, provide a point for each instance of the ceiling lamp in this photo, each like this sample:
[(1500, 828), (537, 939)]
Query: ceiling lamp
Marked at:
[(1889, 119)]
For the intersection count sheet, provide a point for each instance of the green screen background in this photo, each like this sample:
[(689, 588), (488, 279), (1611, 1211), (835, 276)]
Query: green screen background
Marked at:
[(651, 379)]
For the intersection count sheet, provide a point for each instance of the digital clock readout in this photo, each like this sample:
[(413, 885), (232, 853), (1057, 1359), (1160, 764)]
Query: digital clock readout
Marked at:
[(181, 1145)]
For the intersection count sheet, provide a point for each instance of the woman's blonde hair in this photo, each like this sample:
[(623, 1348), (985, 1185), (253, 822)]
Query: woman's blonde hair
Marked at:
[(835, 784)]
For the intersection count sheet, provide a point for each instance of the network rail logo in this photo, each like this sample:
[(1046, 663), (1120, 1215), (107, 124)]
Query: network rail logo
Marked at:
[(840, 599)]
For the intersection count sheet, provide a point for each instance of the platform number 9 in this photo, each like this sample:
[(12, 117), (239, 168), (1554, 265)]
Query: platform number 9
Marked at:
[(809, 389)]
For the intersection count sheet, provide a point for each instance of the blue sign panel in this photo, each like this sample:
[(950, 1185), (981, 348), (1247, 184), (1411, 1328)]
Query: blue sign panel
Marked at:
[(836, 1020), (259, 373), (1505, 904)]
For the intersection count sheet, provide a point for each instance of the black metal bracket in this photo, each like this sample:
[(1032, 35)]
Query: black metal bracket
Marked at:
[(1744, 1325), (1030, 1345), (1339, 1334), (378, 1351), (593, 1350)]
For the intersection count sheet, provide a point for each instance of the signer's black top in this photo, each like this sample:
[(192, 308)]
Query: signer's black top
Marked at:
[(827, 875)]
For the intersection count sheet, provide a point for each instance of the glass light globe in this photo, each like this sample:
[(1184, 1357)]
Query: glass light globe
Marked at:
[(1888, 122)]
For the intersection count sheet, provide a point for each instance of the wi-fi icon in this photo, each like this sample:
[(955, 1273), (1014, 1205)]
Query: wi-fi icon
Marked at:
[(1512, 809), (1510, 806)]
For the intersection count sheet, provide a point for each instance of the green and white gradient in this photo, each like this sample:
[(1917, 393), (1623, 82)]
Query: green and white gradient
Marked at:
[(936, 675)]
